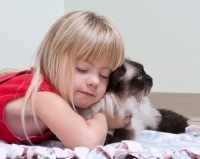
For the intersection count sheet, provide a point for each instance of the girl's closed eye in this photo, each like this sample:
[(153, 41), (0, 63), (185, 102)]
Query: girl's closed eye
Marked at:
[(81, 70), (104, 76)]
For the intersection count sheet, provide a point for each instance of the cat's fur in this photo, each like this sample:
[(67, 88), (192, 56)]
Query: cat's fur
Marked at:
[(172, 122), (127, 94)]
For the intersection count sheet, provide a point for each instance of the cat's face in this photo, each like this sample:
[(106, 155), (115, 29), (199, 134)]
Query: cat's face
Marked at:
[(130, 80)]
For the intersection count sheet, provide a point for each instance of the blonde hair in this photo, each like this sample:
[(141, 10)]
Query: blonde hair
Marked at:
[(78, 35)]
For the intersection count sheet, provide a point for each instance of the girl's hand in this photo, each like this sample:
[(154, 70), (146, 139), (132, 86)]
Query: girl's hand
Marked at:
[(115, 122)]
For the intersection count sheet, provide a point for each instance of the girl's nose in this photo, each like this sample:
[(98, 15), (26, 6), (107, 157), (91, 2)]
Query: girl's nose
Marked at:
[(93, 80)]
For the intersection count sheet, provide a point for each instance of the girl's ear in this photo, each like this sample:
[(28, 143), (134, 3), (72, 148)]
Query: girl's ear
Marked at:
[(116, 76)]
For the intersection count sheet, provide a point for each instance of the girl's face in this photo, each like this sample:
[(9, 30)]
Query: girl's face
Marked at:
[(90, 84)]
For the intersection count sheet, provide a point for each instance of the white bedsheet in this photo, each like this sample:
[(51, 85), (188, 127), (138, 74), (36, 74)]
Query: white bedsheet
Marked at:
[(150, 144)]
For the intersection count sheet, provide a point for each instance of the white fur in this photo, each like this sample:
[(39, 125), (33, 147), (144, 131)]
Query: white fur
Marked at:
[(130, 71)]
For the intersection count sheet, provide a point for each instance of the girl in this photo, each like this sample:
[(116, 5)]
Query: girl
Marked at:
[(72, 69)]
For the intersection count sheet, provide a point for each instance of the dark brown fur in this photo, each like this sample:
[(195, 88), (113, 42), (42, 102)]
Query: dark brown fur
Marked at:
[(172, 122)]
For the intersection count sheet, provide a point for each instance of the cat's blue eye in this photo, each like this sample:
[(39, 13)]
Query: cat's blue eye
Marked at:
[(139, 76)]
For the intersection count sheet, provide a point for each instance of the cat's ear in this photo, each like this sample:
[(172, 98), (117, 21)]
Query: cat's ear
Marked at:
[(116, 76)]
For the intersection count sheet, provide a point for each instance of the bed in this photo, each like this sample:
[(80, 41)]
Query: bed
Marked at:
[(149, 145)]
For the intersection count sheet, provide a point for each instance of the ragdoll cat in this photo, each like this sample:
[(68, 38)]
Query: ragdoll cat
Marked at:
[(126, 94)]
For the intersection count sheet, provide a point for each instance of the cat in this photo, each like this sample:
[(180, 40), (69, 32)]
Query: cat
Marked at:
[(127, 94)]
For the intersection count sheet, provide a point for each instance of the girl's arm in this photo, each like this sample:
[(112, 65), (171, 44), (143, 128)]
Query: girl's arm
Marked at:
[(71, 129)]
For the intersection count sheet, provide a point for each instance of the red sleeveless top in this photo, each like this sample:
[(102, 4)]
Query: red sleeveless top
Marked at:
[(14, 86)]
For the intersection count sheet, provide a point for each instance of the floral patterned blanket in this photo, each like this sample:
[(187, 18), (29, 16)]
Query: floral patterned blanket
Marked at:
[(149, 145)]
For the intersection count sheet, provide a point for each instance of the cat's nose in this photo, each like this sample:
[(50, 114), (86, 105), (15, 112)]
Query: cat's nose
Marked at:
[(149, 78)]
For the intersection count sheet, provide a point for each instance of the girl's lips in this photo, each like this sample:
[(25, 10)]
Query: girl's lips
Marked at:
[(88, 94)]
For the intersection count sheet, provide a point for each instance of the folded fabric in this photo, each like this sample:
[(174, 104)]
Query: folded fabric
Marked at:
[(150, 144)]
